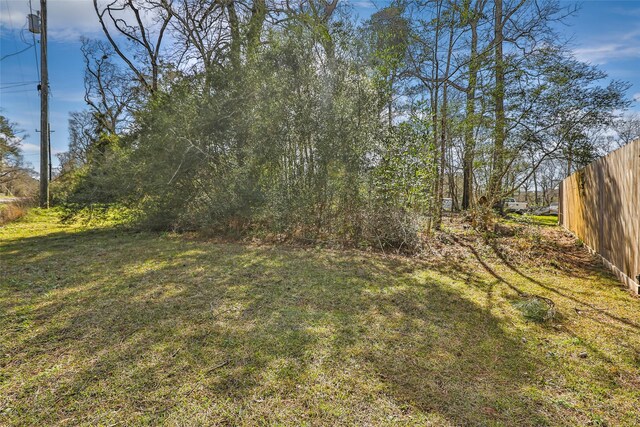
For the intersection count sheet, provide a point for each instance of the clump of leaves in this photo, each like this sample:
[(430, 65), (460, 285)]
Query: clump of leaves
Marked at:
[(536, 309)]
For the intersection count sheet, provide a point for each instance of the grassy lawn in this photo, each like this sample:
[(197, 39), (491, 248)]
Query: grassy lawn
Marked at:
[(103, 326), (546, 220), (550, 220)]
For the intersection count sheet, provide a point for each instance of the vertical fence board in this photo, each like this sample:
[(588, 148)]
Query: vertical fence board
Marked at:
[(635, 208), (600, 205)]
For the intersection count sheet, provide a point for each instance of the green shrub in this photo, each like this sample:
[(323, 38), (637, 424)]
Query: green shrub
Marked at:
[(536, 309)]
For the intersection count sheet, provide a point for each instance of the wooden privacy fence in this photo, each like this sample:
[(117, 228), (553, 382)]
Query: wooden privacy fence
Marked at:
[(601, 205)]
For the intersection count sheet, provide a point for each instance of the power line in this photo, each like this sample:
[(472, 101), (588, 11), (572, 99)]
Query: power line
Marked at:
[(35, 50), (15, 53), (23, 82), (16, 85), (16, 91), (15, 41), (35, 54)]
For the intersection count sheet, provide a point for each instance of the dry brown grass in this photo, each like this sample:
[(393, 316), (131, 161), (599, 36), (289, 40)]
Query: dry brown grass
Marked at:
[(11, 212)]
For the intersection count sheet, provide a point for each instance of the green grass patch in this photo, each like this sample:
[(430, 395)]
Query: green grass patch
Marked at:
[(104, 326), (540, 220), (548, 220)]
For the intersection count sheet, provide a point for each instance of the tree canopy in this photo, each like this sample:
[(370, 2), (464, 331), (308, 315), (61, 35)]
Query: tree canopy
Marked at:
[(294, 119)]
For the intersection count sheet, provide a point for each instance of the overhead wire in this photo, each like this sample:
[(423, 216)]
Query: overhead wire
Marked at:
[(15, 42), (14, 53), (19, 87), (33, 37), (12, 85), (17, 91)]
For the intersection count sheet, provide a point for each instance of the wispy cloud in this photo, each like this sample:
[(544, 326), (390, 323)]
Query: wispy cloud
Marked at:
[(636, 97), (603, 53), (364, 4), (625, 45), (67, 19), (29, 148)]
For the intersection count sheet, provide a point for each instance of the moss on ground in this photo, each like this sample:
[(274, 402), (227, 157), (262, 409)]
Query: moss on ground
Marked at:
[(104, 326)]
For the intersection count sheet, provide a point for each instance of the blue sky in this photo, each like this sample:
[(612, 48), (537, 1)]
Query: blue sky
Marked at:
[(606, 33)]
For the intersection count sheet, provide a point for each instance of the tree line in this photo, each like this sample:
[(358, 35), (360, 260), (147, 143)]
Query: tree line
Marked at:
[(293, 118), (16, 179)]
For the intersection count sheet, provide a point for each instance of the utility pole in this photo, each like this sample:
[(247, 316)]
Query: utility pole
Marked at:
[(50, 167), (44, 109)]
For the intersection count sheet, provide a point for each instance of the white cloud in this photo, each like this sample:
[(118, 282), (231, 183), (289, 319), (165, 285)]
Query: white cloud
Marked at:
[(29, 148), (67, 19), (636, 97), (601, 54), (363, 4), (615, 47)]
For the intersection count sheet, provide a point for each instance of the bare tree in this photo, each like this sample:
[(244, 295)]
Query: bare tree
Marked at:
[(10, 155), (109, 90), (202, 32), (143, 25), (84, 130), (627, 128), (435, 63)]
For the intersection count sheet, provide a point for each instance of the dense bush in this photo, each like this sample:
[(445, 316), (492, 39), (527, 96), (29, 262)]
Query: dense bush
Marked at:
[(286, 144), (295, 120)]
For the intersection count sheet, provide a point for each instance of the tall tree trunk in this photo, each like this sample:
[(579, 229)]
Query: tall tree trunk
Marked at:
[(535, 186), (453, 188), (442, 161), (495, 182), (469, 141), (437, 205), (258, 16), (390, 105), (436, 210), (234, 29), (569, 159), (444, 123), (444, 126)]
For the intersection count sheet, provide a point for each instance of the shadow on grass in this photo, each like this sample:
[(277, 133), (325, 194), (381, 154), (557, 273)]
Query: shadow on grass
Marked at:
[(147, 328), (554, 290)]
